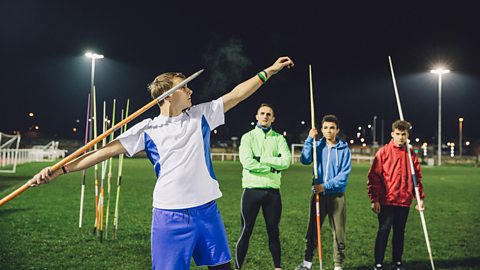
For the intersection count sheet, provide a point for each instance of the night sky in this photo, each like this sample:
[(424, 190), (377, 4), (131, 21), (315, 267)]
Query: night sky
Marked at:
[(43, 68)]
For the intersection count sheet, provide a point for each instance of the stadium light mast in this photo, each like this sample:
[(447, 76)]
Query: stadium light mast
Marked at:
[(460, 135), (94, 57), (439, 71), (92, 134)]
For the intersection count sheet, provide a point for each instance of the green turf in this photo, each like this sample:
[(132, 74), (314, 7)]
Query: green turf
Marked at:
[(39, 229)]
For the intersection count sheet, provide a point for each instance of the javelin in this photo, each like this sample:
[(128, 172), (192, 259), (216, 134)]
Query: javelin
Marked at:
[(82, 192), (119, 179), (414, 178), (95, 170), (80, 151), (109, 174), (315, 171), (101, 201)]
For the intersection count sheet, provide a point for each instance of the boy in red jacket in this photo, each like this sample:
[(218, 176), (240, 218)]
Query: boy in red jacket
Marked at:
[(391, 190)]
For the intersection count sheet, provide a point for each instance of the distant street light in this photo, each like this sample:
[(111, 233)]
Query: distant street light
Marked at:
[(460, 126), (439, 72), (425, 148), (452, 149)]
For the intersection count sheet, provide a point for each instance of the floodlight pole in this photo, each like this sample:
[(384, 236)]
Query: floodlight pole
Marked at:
[(439, 150), (439, 72), (94, 56), (460, 136)]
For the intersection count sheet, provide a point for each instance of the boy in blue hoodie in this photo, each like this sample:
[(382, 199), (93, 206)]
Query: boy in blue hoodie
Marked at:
[(334, 165)]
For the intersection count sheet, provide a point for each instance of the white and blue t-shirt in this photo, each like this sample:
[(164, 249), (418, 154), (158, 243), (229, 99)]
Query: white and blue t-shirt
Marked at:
[(179, 149)]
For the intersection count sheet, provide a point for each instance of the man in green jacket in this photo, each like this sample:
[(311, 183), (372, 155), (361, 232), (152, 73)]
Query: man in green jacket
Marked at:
[(264, 154)]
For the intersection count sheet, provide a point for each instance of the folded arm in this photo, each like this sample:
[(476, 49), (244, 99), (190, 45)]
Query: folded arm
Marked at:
[(280, 162)]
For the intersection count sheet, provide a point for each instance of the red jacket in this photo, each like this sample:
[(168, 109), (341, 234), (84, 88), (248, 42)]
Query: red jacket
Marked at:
[(390, 179)]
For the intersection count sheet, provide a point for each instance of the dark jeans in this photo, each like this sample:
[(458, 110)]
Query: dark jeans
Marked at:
[(271, 203), (389, 216)]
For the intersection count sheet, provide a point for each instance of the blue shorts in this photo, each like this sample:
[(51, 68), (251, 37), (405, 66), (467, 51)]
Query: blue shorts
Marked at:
[(177, 235)]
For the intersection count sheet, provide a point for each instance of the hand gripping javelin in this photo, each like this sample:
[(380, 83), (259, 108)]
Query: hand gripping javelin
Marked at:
[(81, 150)]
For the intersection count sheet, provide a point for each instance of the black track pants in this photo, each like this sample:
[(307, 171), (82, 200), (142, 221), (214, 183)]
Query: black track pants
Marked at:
[(271, 203)]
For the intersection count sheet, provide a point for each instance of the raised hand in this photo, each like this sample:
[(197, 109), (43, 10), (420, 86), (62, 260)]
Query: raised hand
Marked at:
[(281, 63)]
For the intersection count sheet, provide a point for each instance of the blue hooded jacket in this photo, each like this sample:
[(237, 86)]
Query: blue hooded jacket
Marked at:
[(334, 164)]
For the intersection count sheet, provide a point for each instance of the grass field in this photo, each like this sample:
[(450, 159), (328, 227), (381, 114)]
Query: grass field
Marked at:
[(39, 229)]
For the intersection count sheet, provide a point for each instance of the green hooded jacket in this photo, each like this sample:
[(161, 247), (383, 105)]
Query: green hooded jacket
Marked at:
[(263, 156)]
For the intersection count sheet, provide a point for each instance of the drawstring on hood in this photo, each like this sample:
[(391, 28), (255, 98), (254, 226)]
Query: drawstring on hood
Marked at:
[(336, 156)]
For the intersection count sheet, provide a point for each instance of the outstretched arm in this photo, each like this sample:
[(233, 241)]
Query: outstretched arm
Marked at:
[(248, 87), (87, 160)]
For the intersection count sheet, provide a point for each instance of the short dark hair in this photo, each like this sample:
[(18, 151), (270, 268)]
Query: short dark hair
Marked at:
[(401, 125), (331, 118), (267, 105)]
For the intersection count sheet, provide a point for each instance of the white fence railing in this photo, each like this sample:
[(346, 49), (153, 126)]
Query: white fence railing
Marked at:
[(224, 156), (355, 158), (7, 156), (295, 158), (8, 160)]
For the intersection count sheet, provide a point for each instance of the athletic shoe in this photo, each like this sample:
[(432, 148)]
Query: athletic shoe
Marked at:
[(338, 268), (397, 266), (378, 267), (301, 267)]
